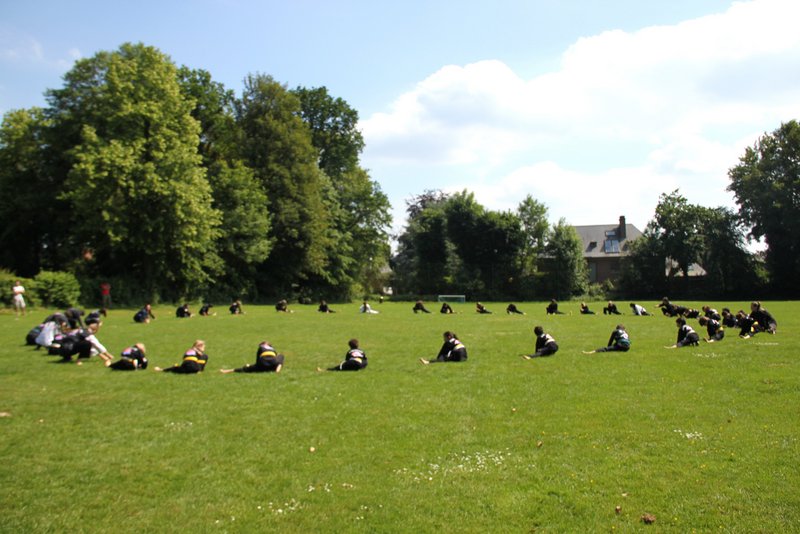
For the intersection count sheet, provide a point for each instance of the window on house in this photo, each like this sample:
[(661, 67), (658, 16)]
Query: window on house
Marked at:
[(611, 246)]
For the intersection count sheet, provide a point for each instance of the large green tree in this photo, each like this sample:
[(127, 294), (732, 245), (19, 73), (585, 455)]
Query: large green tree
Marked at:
[(568, 274), (237, 193), (359, 210), (138, 196), (766, 184), (29, 207), (276, 145)]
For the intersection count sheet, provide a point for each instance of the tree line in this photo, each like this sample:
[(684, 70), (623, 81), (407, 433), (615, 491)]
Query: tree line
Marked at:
[(452, 244), (160, 179)]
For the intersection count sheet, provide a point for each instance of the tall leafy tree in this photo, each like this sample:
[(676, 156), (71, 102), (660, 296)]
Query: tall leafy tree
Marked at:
[(676, 225), (766, 184), (361, 222), (420, 265), (568, 274), (237, 193), (29, 207), (276, 144), (139, 198), (533, 220)]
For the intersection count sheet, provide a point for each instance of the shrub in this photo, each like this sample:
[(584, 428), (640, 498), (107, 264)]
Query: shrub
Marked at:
[(57, 289)]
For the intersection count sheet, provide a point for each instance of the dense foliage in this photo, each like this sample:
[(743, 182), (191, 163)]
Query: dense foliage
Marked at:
[(452, 244), (160, 179), (766, 183)]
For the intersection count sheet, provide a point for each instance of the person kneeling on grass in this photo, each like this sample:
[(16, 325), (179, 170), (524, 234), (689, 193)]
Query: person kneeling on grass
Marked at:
[(619, 341), (545, 344), (132, 358), (686, 335), (638, 309), (194, 360), (354, 360), (446, 308), (452, 350), (715, 330), (267, 361), (84, 343)]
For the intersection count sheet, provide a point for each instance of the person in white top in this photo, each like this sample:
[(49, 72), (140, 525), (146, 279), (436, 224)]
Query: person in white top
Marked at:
[(366, 308), (19, 299)]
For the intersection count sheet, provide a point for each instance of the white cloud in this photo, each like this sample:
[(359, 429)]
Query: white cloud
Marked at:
[(20, 49), (627, 116)]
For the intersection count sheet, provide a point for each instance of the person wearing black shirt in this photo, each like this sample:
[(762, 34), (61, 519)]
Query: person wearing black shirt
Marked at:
[(545, 344), (452, 350), (267, 361), (354, 360)]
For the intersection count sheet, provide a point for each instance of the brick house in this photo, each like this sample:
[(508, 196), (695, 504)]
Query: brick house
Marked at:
[(603, 247)]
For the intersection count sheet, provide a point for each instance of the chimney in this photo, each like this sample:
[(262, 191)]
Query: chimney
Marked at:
[(622, 234)]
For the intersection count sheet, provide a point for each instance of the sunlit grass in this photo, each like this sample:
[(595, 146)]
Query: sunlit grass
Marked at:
[(702, 438)]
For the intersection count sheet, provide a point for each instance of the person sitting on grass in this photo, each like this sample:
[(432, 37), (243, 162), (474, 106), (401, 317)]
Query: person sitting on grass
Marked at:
[(728, 318), (619, 341), (766, 322), (512, 309), (283, 306), (452, 350), (236, 307), (747, 325), (354, 360), (585, 309), (611, 309), (366, 308), (715, 330), (194, 360), (145, 314), (686, 335), (480, 308), (446, 308), (324, 308), (132, 358), (183, 311), (552, 308), (545, 344), (419, 306), (267, 361), (711, 313)]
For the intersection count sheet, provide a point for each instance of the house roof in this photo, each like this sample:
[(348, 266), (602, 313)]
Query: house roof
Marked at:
[(606, 240)]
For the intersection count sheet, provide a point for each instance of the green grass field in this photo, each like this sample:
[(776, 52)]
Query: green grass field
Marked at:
[(703, 438)]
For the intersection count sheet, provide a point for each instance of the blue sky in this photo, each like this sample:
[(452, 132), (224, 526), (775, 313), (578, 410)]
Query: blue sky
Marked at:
[(592, 107)]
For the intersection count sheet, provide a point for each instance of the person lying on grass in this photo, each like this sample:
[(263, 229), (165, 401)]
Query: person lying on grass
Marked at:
[(686, 335), (354, 360), (267, 361), (545, 344), (619, 341), (132, 358), (194, 360), (452, 350)]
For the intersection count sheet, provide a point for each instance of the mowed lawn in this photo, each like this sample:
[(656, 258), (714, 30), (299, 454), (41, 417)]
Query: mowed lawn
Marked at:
[(702, 438)]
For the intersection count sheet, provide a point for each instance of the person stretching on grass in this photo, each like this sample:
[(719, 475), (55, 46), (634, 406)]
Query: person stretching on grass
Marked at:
[(715, 330), (686, 335), (194, 360), (512, 309), (585, 309), (267, 361), (452, 350), (354, 360), (132, 358), (545, 344), (619, 341)]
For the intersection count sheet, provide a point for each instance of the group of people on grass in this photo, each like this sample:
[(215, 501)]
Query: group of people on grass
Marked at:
[(67, 334)]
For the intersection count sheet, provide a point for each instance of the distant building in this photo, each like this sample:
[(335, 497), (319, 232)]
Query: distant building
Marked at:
[(604, 245)]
